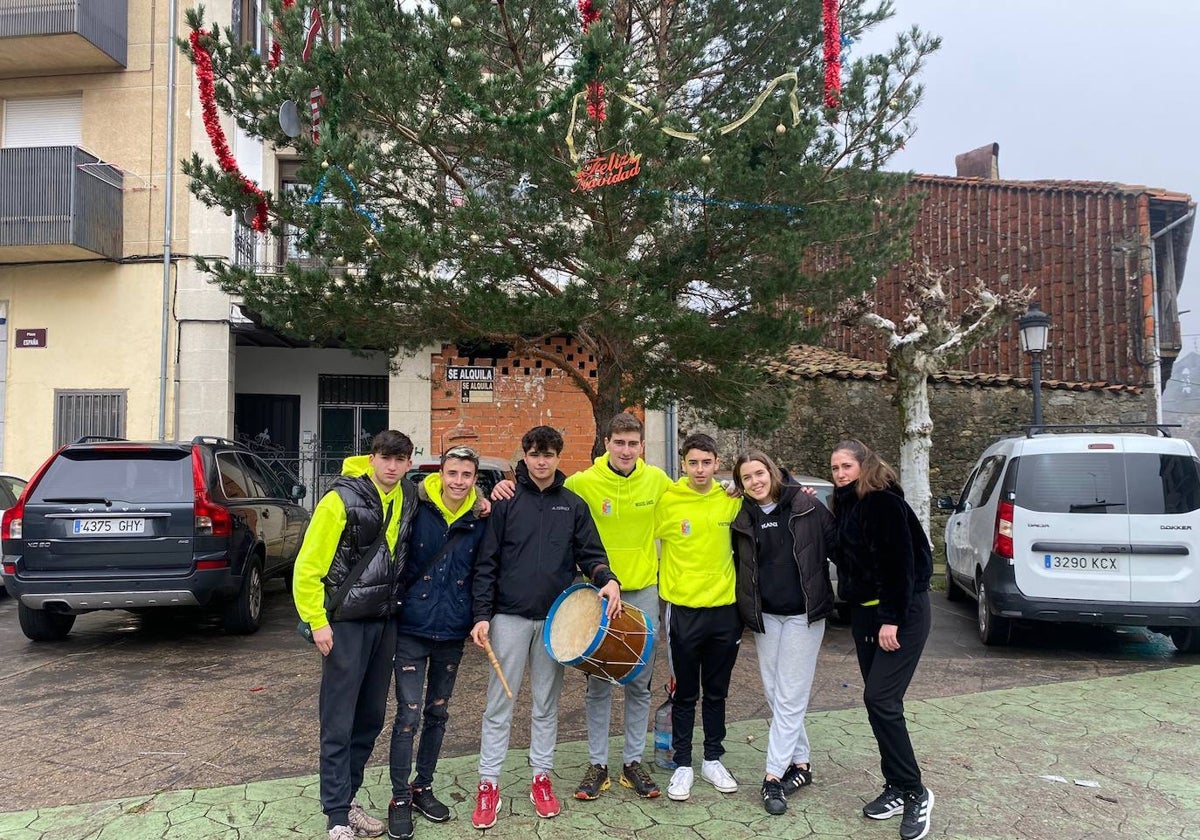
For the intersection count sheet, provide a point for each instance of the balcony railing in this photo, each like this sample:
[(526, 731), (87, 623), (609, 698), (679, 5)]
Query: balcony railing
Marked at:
[(58, 202), (39, 37)]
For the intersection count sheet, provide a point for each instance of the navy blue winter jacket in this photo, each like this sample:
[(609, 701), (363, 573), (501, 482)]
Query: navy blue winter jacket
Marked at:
[(437, 605)]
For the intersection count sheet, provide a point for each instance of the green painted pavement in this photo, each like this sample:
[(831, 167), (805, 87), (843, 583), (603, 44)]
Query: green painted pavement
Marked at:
[(982, 754)]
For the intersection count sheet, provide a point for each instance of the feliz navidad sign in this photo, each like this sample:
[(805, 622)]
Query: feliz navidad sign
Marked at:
[(607, 170)]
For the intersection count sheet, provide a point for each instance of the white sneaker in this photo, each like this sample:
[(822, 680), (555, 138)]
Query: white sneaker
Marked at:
[(715, 774), (341, 832), (680, 788), (362, 823)]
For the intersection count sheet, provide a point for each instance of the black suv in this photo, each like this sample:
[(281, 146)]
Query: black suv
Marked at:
[(119, 525)]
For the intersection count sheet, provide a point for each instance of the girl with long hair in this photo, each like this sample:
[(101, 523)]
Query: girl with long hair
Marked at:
[(884, 565), (780, 539)]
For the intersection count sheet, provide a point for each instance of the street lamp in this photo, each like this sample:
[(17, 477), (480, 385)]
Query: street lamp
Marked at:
[(1034, 326)]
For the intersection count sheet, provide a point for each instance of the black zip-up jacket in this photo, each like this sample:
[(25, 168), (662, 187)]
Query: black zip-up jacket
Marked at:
[(533, 544), (813, 535), (882, 553), (376, 593)]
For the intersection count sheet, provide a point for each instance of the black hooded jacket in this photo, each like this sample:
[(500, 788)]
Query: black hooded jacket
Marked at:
[(533, 545), (813, 535), (882, 553)]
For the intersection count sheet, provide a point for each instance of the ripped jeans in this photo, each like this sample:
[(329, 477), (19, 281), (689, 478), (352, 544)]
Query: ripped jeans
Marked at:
[(418, 703)]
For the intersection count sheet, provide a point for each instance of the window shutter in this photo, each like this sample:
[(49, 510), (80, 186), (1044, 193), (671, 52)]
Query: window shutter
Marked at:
[(44, 121)]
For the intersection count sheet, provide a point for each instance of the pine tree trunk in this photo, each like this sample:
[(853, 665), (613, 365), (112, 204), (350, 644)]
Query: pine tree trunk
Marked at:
[(606, 403), (916, 428)]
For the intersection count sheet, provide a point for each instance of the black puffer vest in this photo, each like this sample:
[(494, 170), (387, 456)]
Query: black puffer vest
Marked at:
[(376, 593)]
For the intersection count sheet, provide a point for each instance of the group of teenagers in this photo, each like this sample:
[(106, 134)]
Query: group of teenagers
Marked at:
[(394, 577)]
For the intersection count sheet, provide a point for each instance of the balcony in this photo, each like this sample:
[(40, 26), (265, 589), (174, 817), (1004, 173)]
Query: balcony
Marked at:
[(55, 37), (58, 203)]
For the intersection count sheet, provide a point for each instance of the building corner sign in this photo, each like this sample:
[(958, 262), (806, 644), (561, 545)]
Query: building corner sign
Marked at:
[(31, 338), (477, 382)]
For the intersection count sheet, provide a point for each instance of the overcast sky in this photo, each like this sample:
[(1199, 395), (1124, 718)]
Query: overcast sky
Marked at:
[(1098, 90)]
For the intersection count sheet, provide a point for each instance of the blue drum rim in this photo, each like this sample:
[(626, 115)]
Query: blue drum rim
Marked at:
[(549, 622)]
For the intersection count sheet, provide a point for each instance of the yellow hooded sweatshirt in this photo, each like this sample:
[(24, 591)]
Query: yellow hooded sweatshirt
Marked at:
[(623, 509), (697, 546), (321, 541)]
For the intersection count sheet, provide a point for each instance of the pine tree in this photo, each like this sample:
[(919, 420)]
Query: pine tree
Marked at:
[(452, 144)]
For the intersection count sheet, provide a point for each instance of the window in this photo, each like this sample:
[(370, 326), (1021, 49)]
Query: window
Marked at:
[(1112, 483), (234, 482), (81, 413), (43, 121), (986, 480), (137, 476), (248, 23), (263, 478)]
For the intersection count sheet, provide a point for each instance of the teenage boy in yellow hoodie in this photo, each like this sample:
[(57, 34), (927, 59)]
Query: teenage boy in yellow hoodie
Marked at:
[(621, 491), (356, 640), (704, 628)]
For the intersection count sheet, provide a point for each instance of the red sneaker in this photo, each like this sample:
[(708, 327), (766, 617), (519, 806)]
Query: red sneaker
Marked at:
[(486, 805), (541, 794)]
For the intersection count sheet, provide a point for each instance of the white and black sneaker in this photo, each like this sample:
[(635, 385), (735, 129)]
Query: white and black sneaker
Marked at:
[(885, 806), (918, 806)]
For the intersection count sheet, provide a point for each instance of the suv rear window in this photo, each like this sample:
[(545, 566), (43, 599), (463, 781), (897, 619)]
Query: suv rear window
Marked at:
[(145, 475), (1137, 483)]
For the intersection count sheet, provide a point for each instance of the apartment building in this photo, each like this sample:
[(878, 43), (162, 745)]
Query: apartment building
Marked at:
[(106, 325)]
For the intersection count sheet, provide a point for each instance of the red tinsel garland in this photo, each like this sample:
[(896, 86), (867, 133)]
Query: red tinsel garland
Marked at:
[(833, 54), (212, 124), (276, 47), (595, 89)]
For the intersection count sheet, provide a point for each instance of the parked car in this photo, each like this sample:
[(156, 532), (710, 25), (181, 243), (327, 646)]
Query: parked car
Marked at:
[(112, 524), (1101, 528), (11, 487), (491, 472)]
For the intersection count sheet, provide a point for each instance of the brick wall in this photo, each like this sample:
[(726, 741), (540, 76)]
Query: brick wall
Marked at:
[(526, 392)]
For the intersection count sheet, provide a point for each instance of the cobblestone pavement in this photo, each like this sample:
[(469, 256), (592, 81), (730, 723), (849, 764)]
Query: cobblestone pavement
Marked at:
[(986, 755)]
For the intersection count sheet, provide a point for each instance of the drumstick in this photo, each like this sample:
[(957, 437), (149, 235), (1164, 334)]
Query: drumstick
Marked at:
[(491, 655)]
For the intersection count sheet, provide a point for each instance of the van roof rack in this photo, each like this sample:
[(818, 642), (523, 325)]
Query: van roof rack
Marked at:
[(1162, 428)]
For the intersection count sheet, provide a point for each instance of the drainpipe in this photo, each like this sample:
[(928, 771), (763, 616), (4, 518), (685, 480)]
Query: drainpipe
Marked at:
[(168, 209), (1154, 273), (672, 443)]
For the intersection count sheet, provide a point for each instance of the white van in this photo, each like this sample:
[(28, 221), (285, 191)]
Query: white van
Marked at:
[(1097, 528)]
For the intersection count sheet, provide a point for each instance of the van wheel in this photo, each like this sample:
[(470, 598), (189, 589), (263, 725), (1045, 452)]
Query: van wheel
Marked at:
[(993, 629), (953, 591), (243, 615), (1186, 639), (44, 626)]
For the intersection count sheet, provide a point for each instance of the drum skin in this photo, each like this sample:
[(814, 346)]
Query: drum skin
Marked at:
[(577, 632)]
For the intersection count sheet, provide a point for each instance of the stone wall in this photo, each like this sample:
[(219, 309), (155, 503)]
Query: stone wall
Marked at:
[(966, 420)]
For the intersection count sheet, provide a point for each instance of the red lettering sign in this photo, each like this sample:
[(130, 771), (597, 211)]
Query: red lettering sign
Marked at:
[(605, 171)]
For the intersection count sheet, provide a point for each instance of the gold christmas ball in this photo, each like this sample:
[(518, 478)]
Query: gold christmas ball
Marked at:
[(350, 167), (324, 164), (706, 159), (781, 129), (456, 22), (434, 114), (474, 238)]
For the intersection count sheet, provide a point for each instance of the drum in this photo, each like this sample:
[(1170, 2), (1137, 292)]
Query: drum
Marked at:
[(577, 632)]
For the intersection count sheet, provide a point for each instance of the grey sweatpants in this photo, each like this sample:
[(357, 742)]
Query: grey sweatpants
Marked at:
[(787, 660), (517, 641)]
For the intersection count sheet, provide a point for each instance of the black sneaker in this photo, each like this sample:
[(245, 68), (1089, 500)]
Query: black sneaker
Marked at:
[(594, 781), (796, 777), (888, 804), (918, 806), (425, 802), (400, 824), (773, 799), (638, 778)]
